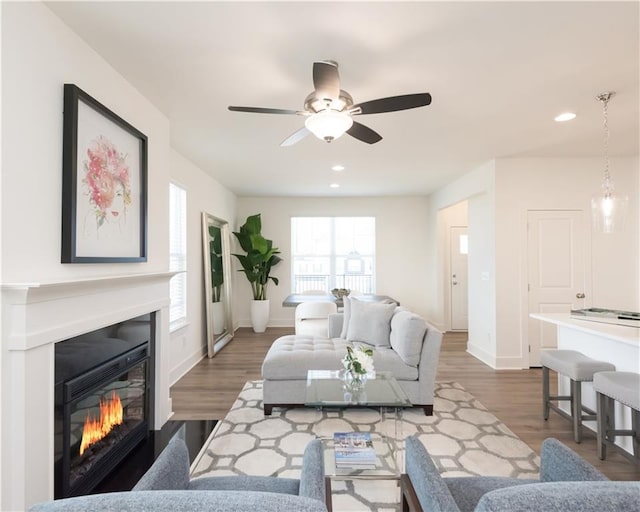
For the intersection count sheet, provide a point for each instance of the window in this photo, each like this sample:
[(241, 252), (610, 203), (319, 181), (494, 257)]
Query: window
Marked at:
[(333, 252), (178, 255), (464, 244)]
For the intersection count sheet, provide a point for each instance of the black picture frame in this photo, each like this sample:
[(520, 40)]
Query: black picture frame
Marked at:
[(104, 184)]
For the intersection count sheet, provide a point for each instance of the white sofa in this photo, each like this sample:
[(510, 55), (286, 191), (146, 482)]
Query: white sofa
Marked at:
[(403, 342)]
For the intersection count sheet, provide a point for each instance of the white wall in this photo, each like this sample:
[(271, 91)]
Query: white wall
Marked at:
[(401, 244), (39, 55), (559, 183), (204, 194), (477, 187), (500, 194)]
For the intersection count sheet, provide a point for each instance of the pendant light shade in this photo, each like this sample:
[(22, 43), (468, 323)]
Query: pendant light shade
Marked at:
[(608, 209)]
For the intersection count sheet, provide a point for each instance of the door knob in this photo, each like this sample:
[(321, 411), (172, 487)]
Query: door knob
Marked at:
[(579, 295), (455, 282)]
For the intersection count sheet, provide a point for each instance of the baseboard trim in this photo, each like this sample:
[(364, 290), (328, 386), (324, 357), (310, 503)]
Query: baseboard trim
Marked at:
[(510, 363), (497, 363), (482, 355), (185, 366)]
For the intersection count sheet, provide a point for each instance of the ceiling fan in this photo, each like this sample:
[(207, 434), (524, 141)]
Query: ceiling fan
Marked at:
[(329, 110)]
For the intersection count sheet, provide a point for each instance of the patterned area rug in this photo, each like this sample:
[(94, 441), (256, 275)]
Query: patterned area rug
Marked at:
[(462, 437)]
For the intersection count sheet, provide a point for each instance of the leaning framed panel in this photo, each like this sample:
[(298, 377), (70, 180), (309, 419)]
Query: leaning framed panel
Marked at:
[(104, 184)]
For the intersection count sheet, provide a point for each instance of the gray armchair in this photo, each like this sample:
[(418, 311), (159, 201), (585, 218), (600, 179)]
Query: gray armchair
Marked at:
[(166, 487), (567, 483)]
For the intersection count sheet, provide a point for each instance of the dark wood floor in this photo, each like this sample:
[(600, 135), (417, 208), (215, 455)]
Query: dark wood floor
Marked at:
[(514, 396)]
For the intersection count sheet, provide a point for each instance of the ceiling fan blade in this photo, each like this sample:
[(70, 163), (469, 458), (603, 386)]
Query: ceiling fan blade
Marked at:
[(261, 110), (295, 137), (326, 80), (364, 133), (392, 103)]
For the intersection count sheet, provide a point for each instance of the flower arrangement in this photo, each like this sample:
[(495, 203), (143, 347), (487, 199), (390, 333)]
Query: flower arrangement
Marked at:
[(339, 293), (358, 361)]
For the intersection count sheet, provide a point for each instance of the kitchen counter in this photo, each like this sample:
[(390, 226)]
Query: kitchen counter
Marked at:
[(615, 344)]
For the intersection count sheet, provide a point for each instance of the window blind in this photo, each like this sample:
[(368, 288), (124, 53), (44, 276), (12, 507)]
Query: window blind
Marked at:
[(178, 254)]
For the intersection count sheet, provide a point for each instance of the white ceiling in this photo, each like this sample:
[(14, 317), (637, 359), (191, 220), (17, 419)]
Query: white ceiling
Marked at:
[(498, 73)]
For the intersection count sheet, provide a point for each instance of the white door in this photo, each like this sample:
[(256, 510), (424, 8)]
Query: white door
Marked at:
[(458, 279), (558, 281)]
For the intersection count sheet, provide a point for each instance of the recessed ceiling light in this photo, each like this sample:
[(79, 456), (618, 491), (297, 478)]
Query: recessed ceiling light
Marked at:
[(566, 116), (338, 168), (334, 185)]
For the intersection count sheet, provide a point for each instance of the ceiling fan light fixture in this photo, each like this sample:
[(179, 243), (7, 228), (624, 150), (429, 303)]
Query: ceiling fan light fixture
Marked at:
[(329, 124)]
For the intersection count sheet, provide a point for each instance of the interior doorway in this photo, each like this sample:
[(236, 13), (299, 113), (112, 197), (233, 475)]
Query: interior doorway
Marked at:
[(453, 276), (458, 280)]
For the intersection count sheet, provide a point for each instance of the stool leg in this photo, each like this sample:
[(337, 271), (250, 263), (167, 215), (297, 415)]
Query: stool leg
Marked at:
[(576, 409), (611, 420), (545, 393), (635, 427), (601, 409)]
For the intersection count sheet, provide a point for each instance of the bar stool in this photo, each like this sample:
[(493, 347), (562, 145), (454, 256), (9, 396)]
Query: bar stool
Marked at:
[(579, 368), (611, 387)]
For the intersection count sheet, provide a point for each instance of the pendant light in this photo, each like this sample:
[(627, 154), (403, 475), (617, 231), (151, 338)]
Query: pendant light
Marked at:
[(608, 209)]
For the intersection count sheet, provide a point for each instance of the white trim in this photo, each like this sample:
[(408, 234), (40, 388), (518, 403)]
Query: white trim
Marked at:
[(478, 353)]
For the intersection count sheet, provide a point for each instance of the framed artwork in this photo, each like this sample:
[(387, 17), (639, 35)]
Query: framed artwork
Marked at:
[(104, 184)]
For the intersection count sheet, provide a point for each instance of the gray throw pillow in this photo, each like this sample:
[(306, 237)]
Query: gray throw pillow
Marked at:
[(407, 334), (370, 322)]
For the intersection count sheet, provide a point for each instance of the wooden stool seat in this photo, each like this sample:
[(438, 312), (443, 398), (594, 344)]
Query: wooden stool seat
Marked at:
[(579, 368)]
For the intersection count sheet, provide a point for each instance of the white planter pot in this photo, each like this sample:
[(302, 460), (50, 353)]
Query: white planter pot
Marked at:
[(259, 315), (217, 312)]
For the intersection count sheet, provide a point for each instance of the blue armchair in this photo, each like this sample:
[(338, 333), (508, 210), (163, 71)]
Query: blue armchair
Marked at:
[(567, 483), (166, 487)]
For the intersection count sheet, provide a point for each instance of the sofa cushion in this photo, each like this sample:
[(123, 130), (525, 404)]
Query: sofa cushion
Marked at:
[(407, 334), (370, 322), (386, 359), (291, 356)]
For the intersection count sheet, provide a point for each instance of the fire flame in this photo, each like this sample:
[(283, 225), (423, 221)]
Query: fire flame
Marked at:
[(111, 414)]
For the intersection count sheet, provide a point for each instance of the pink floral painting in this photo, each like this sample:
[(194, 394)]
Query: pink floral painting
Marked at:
[(104, 184), (107, 180)]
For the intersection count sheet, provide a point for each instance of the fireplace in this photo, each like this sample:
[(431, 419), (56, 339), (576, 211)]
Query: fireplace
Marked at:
[(36, 317), (102, 402)]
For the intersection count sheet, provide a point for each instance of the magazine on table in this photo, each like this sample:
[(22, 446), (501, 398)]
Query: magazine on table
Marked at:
[(354, 450)]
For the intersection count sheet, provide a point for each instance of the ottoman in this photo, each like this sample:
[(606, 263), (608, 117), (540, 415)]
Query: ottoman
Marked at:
[(287, 362)]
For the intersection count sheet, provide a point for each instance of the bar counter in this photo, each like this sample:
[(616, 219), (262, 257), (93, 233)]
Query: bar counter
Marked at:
[(615, 344)]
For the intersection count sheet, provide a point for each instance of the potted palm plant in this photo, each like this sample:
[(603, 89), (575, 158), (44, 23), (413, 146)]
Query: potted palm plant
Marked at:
[(257, 263)]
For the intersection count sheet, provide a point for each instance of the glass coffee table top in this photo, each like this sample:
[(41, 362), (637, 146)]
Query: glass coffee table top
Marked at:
[(328, 389)]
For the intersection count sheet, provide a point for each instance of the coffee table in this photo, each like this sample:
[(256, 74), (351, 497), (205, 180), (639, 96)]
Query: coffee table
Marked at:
[(327, 389)]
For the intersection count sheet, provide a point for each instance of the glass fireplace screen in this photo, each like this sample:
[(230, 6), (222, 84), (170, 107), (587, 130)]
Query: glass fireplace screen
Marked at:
[(102, 419)]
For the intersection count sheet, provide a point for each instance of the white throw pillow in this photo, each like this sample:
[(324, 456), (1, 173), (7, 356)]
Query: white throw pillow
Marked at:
[(407, 333), (370, 322), (346, 315)]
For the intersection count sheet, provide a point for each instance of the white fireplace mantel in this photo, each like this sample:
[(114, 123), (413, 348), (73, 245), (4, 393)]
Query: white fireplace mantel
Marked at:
[(35, 316), (34, 308)]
